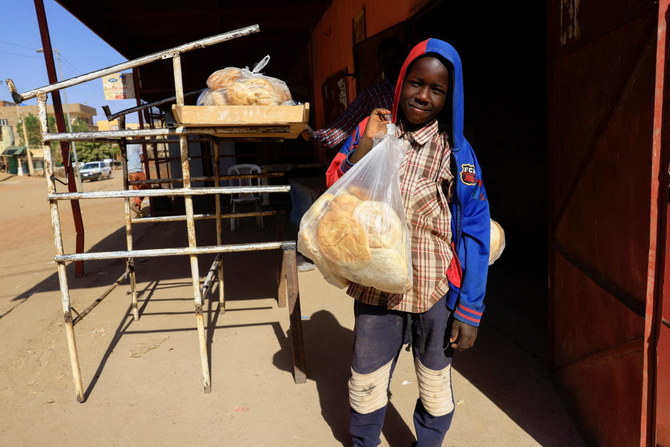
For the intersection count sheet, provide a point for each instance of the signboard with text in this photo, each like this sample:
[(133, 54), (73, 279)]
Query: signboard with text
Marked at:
[(118, 86)]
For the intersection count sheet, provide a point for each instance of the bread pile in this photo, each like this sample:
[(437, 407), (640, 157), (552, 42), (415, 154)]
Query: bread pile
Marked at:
[(497, 241), (361, 241), (236, 86)]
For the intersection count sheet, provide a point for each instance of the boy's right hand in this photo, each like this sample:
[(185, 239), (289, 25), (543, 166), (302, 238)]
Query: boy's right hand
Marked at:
[(376, 126)]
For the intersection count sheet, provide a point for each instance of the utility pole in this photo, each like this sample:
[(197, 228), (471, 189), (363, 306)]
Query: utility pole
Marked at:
[(68, 126), (31, 169)]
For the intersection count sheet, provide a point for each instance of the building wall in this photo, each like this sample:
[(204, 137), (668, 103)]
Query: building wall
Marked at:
[(332, 39), (6, 137), (78, 112), (104, 125)]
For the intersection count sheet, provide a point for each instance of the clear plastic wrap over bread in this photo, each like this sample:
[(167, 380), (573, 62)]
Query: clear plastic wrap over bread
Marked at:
[(357, 230), (242, 87)]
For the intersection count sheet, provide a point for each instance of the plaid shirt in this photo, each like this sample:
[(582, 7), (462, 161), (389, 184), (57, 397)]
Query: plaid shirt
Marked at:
[(425, 181), (378, 95)]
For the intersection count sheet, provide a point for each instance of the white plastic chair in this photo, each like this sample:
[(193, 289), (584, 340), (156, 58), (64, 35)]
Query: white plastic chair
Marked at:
[(236, 199)]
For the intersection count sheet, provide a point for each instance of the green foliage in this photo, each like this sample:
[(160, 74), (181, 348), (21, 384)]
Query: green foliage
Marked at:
[(32, 124), (33, 130), (86, 151)]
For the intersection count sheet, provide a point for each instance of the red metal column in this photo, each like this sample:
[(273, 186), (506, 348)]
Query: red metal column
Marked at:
[(136, 86), (60, 125), (604, 179), (658, 400), (657, 330)]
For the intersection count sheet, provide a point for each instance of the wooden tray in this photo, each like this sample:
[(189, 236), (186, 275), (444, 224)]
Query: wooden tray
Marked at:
[(251, 121)]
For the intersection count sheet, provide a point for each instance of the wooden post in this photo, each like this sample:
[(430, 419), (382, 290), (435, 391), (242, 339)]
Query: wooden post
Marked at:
[(299, 369), (281, 289), (219, 227), (29, 155), (129, 226), (58, 241), (190, 230)]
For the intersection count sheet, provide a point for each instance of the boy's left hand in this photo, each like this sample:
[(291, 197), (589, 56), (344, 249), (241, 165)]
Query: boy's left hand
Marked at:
[(463, 335)]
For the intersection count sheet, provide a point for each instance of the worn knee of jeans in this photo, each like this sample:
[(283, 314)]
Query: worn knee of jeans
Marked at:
[(369, 392), (435, 389)]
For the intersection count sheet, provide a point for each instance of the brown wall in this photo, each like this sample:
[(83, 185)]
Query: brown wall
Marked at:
[(77, 111), (332, 38)]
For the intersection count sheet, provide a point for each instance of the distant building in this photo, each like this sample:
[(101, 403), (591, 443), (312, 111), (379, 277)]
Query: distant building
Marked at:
[(114, 125), (6, 136), (78, 113)]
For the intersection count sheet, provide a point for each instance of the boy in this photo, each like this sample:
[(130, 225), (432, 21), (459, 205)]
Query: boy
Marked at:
[(448, 215)]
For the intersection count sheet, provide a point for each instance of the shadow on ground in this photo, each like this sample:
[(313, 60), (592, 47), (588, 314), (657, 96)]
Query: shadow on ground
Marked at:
[(328, 351), (507, 364)]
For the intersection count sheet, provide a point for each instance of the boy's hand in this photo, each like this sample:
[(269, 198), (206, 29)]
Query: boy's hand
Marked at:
[(463, 335), (376, 126)]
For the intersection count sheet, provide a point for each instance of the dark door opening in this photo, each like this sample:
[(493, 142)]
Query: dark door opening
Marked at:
[(503, 50)]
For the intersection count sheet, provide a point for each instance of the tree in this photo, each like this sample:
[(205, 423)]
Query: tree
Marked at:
[(86, 151), (34, 132), (89, 151)]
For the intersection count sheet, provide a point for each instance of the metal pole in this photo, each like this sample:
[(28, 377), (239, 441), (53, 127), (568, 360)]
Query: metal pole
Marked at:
[(130, 262), (158, 252), (221, 177), (293, 291), (110, 116), (140, 120), (202, 43), (31, 169), (60, 125), (168, 192), (179, 218), (219, 227), (105, 294), (190, 229), (112, 135), (58, 241), (207, 284), (59, 67)]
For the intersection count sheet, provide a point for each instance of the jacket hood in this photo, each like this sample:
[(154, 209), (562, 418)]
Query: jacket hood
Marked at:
[(449, 53)]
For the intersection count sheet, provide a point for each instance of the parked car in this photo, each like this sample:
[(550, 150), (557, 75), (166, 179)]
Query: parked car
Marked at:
[(95, 170)]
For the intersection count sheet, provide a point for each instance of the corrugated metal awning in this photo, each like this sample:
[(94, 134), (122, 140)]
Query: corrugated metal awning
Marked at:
[(136, 29), (12, 151)]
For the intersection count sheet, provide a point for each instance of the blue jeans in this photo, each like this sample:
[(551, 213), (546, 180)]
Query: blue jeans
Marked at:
[(379, 335)]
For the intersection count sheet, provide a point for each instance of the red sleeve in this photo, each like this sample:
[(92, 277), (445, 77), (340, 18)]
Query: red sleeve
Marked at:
[(340, 163), (334, 171)]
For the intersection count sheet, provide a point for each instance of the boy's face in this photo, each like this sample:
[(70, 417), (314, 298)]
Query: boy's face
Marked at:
[(424, 90)]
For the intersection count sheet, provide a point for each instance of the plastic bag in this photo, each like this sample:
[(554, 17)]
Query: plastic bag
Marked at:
[(357, 230), (239, 86)]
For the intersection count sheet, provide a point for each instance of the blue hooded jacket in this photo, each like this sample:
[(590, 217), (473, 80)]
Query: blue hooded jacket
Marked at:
[(471, 223)]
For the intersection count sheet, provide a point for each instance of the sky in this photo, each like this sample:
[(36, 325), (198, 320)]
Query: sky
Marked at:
[(81, 51)]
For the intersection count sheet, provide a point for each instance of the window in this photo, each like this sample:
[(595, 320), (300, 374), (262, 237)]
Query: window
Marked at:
[(4, 122)]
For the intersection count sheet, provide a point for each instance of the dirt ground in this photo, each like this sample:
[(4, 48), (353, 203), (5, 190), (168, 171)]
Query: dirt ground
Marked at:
[(143, 381)]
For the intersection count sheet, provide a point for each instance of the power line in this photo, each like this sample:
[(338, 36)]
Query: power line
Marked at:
[(22, 55), (77, 71), (17, 45)]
